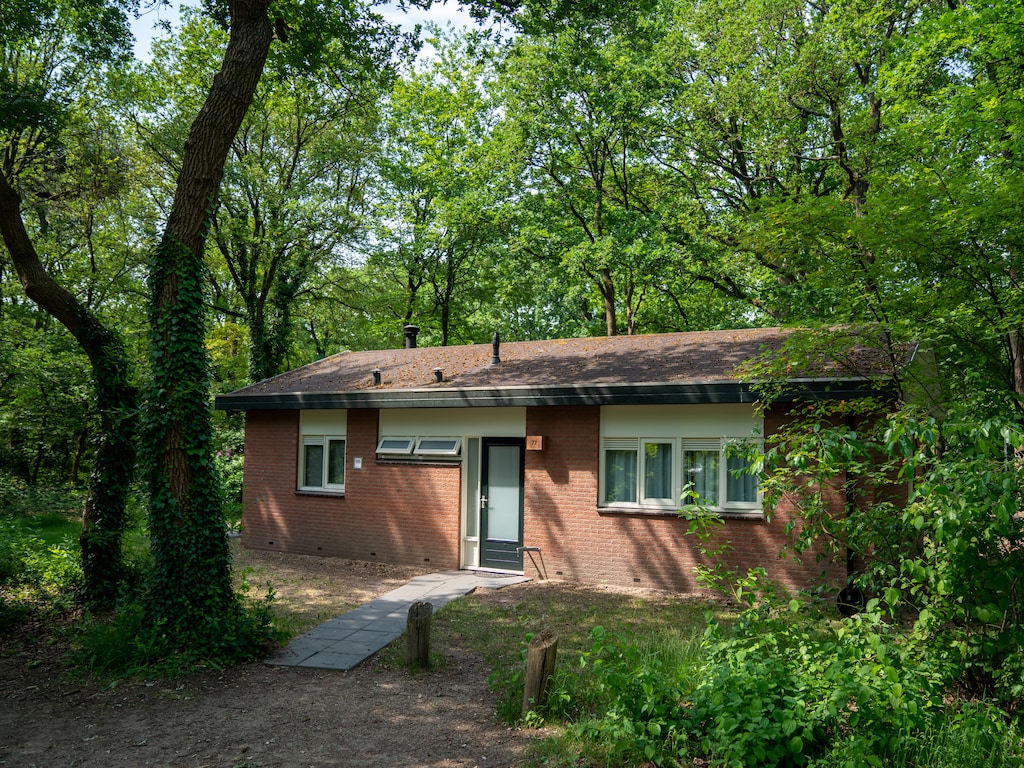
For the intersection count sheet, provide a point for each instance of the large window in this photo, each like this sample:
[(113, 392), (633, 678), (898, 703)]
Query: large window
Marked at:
[(671, 473)]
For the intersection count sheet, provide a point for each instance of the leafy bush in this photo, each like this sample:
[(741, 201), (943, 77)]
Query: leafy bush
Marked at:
[(127, 644), (950, 551), (782, 689), (230, 465), (41, 570), (631, 704), (19, 498)]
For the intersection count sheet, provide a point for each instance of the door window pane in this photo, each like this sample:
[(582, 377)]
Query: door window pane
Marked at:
[(620, 476), (336, 462), (503, 492), (700, 474), (472, 485), (658, 471), (313, 463)]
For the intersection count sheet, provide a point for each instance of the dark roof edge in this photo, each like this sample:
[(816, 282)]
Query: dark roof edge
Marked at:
[(591, 394)]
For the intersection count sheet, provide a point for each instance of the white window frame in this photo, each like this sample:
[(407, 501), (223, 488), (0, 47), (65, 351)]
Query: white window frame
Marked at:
[(671, 502), (679, 447), (325, 442), (698, 444), (616, 444), (736, 506), (454, 449), (405, 450)]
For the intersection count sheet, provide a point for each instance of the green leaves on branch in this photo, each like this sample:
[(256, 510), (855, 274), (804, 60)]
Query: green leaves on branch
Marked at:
[(951, 555)]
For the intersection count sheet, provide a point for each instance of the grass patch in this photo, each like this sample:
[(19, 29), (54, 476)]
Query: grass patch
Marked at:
[(628, 665), (51, 528), (39, 564), (499, 625)]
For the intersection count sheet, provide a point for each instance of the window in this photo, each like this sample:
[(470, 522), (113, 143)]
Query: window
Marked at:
[(658, 474), (671, 473), (322, 463), (396, 445), (701, 474), (620, 478), (413, 447), (438, 446)]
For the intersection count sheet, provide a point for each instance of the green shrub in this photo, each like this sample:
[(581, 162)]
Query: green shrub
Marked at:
[(126, 643), (779, 689), (633, 701), (230, 465), (29, 562), (952, 552), (782, 689), (19, 498)]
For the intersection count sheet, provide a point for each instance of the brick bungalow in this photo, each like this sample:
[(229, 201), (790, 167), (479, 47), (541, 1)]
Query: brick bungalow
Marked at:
[(562, 459)]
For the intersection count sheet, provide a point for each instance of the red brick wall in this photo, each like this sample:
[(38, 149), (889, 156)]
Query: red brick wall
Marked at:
[(410, 514), (579, 542), (389, 513)]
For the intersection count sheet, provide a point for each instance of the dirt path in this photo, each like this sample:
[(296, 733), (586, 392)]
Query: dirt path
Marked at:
[(256, 716)]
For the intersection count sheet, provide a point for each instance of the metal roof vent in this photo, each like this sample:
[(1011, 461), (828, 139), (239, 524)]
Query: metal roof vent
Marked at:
[(376, 377), (410, 335), (496, 349), (439, 375)]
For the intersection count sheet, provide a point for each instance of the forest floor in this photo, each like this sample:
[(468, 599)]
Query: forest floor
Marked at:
[(258, 716)]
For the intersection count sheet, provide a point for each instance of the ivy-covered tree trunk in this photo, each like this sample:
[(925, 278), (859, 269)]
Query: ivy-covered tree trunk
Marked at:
[(103, 520), (191, 601)]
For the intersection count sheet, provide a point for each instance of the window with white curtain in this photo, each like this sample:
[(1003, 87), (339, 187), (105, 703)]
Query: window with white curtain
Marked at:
[(666, 473)]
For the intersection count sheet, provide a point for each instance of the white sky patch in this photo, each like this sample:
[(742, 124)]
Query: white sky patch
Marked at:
[(146, 28)]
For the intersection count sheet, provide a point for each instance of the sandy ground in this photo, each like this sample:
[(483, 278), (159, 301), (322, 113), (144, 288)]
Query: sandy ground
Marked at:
[(258, 716)]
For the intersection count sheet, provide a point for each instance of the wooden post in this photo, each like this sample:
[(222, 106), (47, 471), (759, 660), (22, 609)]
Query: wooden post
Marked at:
[(417, 635), (540, 667)]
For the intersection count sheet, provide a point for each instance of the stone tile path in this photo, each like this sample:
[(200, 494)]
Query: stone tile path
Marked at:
[(351, 638)]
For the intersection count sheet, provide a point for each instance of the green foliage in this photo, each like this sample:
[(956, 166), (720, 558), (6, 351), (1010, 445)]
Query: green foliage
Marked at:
[(127, 644), (36, 567), (782, 690), (19, 498), (632, 703), (230, 463), (190, 607), (950, 554), (781, 687)]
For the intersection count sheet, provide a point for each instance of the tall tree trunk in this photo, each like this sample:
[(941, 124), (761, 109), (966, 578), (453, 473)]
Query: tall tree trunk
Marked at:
[(103, 519), (191, 600), (607, 287)]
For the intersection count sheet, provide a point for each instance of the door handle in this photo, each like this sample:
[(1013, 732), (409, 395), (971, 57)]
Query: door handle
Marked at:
[(483, 501)]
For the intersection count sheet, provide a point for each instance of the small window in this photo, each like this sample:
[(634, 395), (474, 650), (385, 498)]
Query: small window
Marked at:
[(323, 463), (438, 446), (741, 484), (701, 476), (658, 480), (620, 471), (396, 445)]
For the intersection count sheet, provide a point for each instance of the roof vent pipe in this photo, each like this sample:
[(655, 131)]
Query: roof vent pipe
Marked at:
[(495, 349), (439, 375), (376, 377), (410, 336)]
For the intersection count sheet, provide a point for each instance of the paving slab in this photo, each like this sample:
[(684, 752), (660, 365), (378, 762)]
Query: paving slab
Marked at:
[(349, 639)]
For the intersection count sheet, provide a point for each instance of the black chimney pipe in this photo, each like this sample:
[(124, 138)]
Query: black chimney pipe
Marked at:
[(495, 349), (410, 336)]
